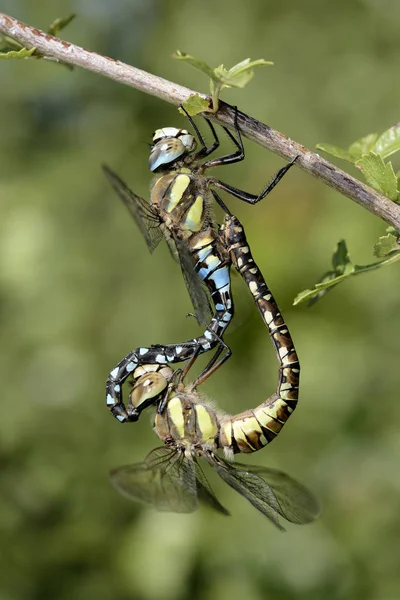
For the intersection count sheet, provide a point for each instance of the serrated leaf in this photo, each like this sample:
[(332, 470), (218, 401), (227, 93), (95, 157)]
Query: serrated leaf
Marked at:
[(389, 142), (58, 24), (23, 53), (195, 62), (362, 146), (387, 244), (196, 104), (378, 174), (336, 151)]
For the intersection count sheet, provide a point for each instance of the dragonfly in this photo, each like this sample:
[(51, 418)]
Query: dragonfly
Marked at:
[(180, 211), (171, 478)]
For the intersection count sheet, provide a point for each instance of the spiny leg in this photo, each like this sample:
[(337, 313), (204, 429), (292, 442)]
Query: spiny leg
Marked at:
[(204, 151), (237, 157), (234, 157), (246, 196)]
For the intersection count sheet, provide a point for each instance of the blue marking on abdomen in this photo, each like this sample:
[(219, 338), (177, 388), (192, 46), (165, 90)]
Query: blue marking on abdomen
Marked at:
[(204, 252), (221, 278)]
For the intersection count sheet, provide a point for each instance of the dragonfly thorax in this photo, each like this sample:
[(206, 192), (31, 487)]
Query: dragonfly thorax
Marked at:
[(186, 422), (169, 145)]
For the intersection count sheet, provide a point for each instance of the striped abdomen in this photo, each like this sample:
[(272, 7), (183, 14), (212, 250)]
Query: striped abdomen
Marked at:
[(253, 429)]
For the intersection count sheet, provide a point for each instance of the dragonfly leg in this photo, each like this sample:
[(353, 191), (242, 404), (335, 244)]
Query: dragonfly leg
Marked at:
[(213, 364), (246, 196), (204, 151)]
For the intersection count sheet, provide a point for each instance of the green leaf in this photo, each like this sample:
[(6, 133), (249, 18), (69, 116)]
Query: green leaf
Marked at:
[(7, 44), (195, 62), (387, 247), (389, 142), (379, 175), (336, 151), (362, 146), (56, 26), (238, 76), (341, 261), (196, 104), (23, 53), (387, 243)]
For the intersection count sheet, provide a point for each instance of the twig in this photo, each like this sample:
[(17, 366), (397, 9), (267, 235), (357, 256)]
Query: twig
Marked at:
[(52, 47)]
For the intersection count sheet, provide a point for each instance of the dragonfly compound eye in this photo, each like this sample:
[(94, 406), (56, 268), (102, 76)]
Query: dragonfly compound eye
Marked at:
[(169, 144), (147, 389)]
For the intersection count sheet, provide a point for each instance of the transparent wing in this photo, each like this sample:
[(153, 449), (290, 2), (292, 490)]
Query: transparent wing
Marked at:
[(205, 492), (296, 503), (165, 480), (272, 492), (146, 217), (196, 287)]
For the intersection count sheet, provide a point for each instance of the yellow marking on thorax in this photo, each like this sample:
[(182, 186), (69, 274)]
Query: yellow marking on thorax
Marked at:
[(194, 216), (206, 423), (175, 413), (178, 188), (203, 241)]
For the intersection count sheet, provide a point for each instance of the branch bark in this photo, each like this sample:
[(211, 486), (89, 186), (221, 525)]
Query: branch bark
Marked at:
[(55, 48)]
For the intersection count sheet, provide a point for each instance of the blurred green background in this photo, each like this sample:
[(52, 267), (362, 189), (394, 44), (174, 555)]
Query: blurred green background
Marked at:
[(79, 290)]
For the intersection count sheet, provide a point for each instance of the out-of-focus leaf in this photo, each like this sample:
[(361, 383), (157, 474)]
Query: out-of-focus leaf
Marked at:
[(23, 53), (362, 146), (8, 43), (389, 142), (239, 75), (387, 243), (196, 104), (379, 175), (343, 268), (340, 259), (58, 24), (195, 62), (336, 151), (353, 152)]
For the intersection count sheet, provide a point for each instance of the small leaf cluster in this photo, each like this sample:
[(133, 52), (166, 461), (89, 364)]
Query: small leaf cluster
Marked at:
[(368, 154), (238, 76), (387, 250)]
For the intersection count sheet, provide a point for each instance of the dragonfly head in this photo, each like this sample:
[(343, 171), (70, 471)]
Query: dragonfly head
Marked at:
[(148, 389), (170, 144)]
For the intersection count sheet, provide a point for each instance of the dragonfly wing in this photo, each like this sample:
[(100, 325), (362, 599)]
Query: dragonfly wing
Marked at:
[(296, 503), (205, 492), (197, 289), (165, 480), (251, 487), (146, 218)]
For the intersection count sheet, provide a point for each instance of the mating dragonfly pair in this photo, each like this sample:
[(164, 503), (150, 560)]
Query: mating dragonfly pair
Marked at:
[(180, 211)]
